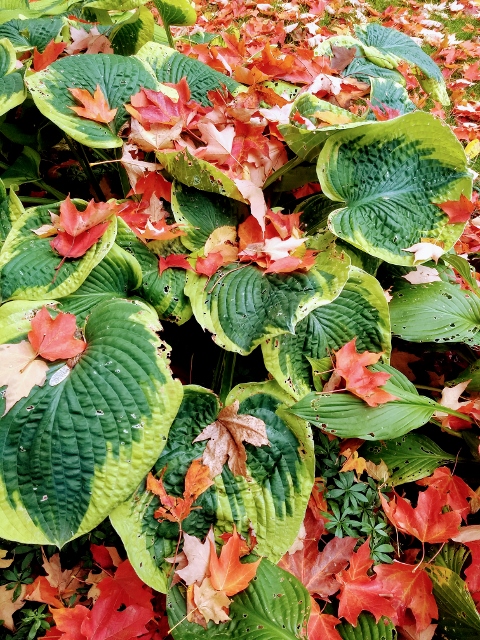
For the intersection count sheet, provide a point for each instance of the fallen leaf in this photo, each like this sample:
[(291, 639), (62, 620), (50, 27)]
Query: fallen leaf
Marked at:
[(458, 210), (69, 246), (64, 581), (426, 521), (198, 556), (378, 472), (425, 251), (106, 623), (89, 41), (226, 437), (74, 222), (342, 57), (42, 591), (467, 534), (175, 261), (125, 588), (210, 602), (355, 463), (209, 265), (105, 557), (227, 573), (53, 338), (49, 55), (7, 607), (95, 107), (4, 563), (455, 491), (20, 371), (321, 626), (254, 196), (472, 572), (422, 275)]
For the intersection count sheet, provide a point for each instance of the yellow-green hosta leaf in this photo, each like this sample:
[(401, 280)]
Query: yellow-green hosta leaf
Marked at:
[(119, 78), (272, 500), (32, 32), (274, 606), (16, 317), (77, 447), (164, 292), (388, 177), (30, 268), (360, 311), (115, 5), (12, 87), (176, 12), (131, 34), (243, 307), (168, 65)]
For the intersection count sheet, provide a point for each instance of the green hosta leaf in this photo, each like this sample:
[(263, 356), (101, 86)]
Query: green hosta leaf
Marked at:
[(435, 312), (117, 5), (176, 12), (7, 214), (347, 416), (201, 213), (388, 177), (164, 292), (273, 500), (315, 211), (170, 66), (117, 275), (243, 307), (130, 36), (12, 88), (118, 77), (452, 556), (471, 373), (459, 619), (390, 94), (388, 47), (79, 445), (409, 458), (26, 168), (362, 69), (360, 310), (274, 605), (367, 629), (16, 317), (30, 33), (198, 173), (305, 143), (29, 266)]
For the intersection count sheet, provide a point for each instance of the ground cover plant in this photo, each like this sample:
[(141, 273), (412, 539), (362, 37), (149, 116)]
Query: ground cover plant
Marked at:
[(239, 321)]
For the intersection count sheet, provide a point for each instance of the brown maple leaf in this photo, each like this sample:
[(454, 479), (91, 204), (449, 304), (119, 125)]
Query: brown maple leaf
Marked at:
[(226, 437), (8, 607)]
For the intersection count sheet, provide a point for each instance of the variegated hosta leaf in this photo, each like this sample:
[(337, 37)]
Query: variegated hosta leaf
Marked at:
[(12, 87), (16, 317), (29, 267), (32, 32), (201, 213), (164, 292), (362, 69), (389, 94), (117, 276), (272, 501), (307, 143), (348, 416), (435, 312), (168, 65), (176, 12), (388, 177), (78, 446), (275, 605), (115, 5), (367, 628), (360, 311), (131, 34), (243, 307), (118, 77)]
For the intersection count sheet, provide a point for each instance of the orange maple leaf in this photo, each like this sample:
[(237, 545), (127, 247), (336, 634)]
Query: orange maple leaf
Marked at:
[(174, 509), (94, 107), (227, 573), (53, 338), (458, 210)]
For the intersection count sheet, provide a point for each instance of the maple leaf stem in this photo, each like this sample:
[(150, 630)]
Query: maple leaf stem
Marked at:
[(182, 620)]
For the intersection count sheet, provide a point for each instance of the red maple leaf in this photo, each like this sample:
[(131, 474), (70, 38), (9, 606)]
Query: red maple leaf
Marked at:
[(411, 590), (352, 367), (426, 521), (321, 626), (49, 55), (153, 184), (126, 588), (472, 72), (458, 210), (174, 260), (75, 222), (54, 338), (360, 592), (210, 264), (454, 490)]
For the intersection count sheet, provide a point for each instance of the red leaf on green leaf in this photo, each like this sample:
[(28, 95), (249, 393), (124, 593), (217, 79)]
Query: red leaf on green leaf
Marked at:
[(472, 572), (458, 210), (95, 107), (69, 246), (49, 55), (175, 260), (209, 265), (75, 222), (54, 339), (227, 573)]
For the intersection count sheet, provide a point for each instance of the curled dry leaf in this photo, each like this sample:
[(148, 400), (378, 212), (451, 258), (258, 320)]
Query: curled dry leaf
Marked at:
[(425, 251), (210, 602), (20, 371), (226, 437)]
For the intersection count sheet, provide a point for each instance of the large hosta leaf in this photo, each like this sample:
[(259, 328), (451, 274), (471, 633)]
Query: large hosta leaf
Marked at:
[(16, 317), (348, 416), (30, 33), (360, 311), (118, 77), (389, 175), (388, 93), (362, 69), (409, 458), (168, 65), (76, 447), (30, 268), (117, 275), (242, 306), (12, 88), (131, 34), (272, 500), (201, 213), (367, 629), (164, 292), (176, 12), (435, 312)]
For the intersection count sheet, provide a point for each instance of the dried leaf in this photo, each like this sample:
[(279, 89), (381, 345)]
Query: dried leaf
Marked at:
[(7, 607), (20, 371), (198, 556), (210, 602)]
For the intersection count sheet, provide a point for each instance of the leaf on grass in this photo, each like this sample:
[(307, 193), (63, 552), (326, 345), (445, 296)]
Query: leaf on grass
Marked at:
[(226, 437), (227, 573), (94, 107), (458, 210), (20, 371), (352, 367), (210, 602), (197, 480), (54, 338), (7, 607), (426, 521), (49, 55)]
